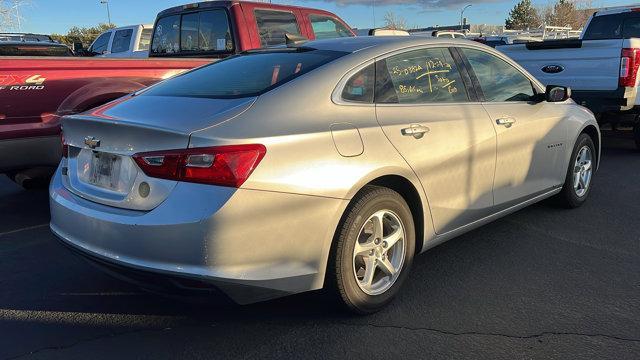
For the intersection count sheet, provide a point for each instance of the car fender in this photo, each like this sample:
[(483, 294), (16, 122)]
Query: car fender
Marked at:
[(96, 94)]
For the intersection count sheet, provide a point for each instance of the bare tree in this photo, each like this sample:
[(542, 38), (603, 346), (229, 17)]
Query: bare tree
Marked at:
[(566, 13), (10, 14), (394, 22)]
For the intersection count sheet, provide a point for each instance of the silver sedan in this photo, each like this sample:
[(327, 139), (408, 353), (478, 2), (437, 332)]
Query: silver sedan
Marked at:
[(325, 164)]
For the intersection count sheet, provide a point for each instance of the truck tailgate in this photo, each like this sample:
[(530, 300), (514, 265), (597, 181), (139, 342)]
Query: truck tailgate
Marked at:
[(591, 65)]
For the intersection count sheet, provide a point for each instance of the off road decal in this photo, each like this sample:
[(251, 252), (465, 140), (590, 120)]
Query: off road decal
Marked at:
[(21, 82)]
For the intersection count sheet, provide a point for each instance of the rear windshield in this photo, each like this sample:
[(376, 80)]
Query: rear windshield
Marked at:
[(195, 32), (605, 27), (245, 75)]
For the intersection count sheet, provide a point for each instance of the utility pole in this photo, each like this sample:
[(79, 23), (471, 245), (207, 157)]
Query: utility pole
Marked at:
[(106, 2), (374, 14), (462, 17)]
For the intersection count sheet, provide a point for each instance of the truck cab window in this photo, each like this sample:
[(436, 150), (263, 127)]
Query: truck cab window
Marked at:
[(101, 44), (272, 25), (121, 41), (326, 27)]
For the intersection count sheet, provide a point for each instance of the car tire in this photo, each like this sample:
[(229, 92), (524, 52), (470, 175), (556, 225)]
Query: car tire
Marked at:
[(578, 181), (636, 135), (373, 205)]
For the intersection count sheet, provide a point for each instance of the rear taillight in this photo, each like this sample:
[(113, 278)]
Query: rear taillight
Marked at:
[(220, 165), (629, 67)]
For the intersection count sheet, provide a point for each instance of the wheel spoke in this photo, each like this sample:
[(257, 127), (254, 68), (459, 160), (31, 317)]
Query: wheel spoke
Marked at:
[(587, 165), (581, 157), (387, 267), (392, 239), (377, 225), (370, 269), (583, 182), (576, 180)]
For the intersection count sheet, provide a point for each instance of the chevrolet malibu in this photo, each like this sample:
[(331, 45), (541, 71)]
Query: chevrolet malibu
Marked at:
[(328, 164)]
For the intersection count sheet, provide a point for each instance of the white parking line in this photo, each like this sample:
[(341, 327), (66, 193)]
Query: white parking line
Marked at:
[(23, 229)]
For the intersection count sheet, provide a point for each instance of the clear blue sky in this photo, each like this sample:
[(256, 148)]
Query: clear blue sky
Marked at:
[(49, 16)]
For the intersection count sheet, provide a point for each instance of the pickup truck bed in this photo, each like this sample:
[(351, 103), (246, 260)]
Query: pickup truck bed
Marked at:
[(62, 86), (590, 67)]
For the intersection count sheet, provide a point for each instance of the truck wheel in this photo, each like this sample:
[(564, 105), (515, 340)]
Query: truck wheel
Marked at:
[(577, 184), (373, 250), (636, 135)]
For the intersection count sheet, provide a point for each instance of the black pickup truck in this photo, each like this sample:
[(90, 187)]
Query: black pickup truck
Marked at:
[(24, 44)]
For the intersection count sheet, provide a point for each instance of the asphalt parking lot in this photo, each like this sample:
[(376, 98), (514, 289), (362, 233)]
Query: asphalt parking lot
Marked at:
[(544, 283)]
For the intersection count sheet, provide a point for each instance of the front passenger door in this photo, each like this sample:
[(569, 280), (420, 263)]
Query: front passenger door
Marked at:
[(530, 132), (425, 109)]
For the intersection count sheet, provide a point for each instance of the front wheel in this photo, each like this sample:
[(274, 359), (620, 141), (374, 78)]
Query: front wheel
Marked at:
[(373, 250), (577, 185)]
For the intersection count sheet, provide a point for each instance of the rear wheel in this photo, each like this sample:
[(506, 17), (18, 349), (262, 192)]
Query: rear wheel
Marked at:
[(577, 185), (373, 250)]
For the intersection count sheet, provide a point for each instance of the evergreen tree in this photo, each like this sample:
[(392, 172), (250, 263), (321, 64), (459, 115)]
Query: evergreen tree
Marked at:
[(523, 16)]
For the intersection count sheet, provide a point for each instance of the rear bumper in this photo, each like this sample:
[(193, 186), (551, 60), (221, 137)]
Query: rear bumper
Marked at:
[(621, 99), (19, 154), (252, 245)]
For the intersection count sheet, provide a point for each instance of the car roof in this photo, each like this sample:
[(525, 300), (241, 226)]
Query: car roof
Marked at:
[(382, 43)]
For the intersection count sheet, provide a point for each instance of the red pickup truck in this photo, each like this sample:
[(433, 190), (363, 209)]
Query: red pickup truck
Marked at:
[(36, 92)]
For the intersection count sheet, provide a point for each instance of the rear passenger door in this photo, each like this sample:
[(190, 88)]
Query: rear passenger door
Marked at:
[(427, 110)]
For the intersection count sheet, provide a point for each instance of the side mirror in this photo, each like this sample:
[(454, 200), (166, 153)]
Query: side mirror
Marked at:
[(556, 93)]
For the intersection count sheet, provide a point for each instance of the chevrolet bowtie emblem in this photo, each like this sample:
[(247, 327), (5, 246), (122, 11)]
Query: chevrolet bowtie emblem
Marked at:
[(91, 142)]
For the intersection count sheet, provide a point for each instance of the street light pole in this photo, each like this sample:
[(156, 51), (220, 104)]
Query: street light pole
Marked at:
[(462, 17), (108, 12)]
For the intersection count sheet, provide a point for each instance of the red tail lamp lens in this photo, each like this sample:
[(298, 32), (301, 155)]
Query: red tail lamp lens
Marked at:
[(221, 165)]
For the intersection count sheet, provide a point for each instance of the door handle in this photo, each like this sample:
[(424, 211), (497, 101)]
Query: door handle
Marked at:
[(506, 122), (415, 130)]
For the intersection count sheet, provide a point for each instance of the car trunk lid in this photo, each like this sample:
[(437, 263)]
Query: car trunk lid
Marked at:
[(99, 166)]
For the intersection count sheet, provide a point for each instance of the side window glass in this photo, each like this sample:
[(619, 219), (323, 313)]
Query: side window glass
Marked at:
[(325, 27), (272, 25), (101, 44), (604, 27), (166, 36), (498, 79), (121, 41), (419, 77), (360, 86)]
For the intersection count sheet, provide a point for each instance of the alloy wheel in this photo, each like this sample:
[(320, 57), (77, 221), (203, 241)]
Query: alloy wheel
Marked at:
[(379, 252), (582, 171)]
